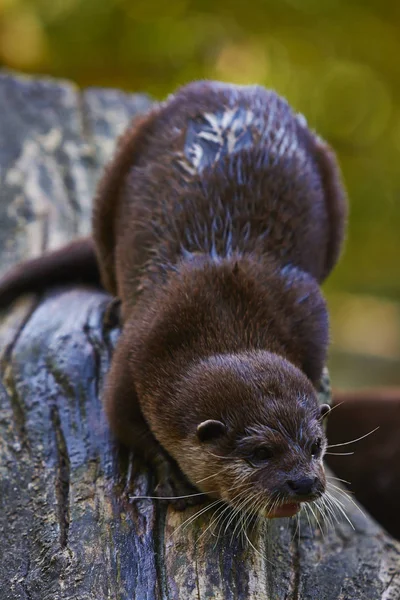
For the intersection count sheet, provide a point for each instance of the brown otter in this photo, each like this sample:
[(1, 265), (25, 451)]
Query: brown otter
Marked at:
[(214, 224)]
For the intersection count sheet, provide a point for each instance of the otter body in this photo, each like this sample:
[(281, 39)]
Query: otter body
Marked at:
[(215, 223)]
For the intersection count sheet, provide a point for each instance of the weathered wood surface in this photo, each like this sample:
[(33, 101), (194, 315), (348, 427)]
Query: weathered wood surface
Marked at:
[(69, 528)]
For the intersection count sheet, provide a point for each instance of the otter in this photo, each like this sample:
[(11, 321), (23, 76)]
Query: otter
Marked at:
[(214, 225)]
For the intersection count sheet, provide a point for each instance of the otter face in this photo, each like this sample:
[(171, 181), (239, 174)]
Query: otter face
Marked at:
[(269, 468), (263, 454), (284, 470)]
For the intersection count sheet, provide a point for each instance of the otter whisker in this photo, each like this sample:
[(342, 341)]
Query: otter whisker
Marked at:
[(331, 507), (319, 517), (254, 548), (237, 497), (259, 508), (329, 513), (272, 504), (334, 508), (348, 497), (242, 524), (259, 511), (257, 505), (317, 520), (338, 479), (216, 514), (229, 507), (190, 519), (339, 453), (225, 513), (306, 509), (260, 504), (336, 406), (261, 501), (239, 525), (216, 517), (326, 512), (279, 501), (256, 499), (248, 499), (340, 507), (347, 493), (299, 522), (221, 519), (229, 513), (237, 504), (228, 457), (212, 475), (248, 517), (168, 497), (297, 527), (240, 509), (198, 513), (355, 440), (223, 508), (265, 509), (235, 517), (325, 516), (226, 520)]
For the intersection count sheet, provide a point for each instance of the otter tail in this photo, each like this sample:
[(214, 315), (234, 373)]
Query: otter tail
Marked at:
[(74, 263)]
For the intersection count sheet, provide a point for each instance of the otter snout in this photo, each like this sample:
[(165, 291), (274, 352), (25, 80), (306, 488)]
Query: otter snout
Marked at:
[(303, 487)]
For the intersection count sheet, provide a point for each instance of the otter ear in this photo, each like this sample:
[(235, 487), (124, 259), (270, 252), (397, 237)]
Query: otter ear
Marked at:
[(324, 411), (210, 429)]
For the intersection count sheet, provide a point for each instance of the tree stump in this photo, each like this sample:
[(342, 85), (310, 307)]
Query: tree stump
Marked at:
[(70, 527)]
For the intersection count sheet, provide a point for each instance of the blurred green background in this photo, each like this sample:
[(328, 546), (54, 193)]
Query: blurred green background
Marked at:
[(336, 61)]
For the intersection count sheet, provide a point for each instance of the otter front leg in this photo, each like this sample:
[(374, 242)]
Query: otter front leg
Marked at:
[(128, 424)]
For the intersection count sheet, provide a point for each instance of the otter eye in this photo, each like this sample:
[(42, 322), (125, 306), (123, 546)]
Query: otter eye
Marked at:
[(262, 454), (316, 447)]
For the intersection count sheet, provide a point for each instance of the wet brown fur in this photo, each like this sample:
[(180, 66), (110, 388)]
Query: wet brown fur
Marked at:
[(218, 273)]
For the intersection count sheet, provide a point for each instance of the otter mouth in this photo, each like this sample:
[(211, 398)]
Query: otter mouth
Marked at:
[(285, 510), (289, 509)]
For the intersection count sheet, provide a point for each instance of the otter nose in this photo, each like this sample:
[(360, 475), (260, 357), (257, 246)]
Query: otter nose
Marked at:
[(303, 486)]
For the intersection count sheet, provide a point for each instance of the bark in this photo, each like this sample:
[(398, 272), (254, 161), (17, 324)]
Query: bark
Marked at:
[(70, 528)]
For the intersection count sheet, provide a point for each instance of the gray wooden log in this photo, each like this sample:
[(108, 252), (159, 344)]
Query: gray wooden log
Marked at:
[(70, 528)]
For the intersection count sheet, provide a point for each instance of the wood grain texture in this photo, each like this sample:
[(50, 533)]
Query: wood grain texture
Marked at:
[(70, 526)]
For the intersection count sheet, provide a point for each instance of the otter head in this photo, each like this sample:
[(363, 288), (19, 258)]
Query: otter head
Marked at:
[(257, 439)]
